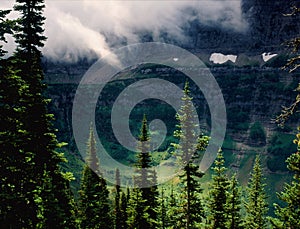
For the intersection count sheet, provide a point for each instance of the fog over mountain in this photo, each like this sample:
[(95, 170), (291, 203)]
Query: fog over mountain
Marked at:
[(83, 28), (91, 28)]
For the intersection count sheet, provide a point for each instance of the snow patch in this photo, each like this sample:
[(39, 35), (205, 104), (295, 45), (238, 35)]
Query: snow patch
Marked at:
[(267, 56), (219, 58)]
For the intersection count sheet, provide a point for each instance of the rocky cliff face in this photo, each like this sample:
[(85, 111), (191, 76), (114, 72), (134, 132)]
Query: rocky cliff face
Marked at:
[(254, 91), (268, 28)]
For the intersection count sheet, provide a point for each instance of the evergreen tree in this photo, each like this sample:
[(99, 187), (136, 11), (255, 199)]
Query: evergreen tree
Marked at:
[(32, 162), (6, 27), (137, 210), (12, 157), (288, 216), (234, 205), (162, 213), (15, 162), (172, 209), (190, 213), (120, 204), (94, 203), (145, 182), (256, 205), (218, 194), (123, 209)]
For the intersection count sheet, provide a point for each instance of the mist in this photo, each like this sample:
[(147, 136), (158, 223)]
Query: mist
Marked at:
[(90, 28)]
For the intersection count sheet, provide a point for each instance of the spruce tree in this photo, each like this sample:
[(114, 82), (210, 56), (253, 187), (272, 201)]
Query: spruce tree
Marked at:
[(120, 204), (190, 212), (33, 150), (218, 194), (145, 181), (94, 196), (123, 209), (15, 162), (288, 216), (6, 27), (162, 213), (233, 205), (256, 205), (137, 210), (172, 209)]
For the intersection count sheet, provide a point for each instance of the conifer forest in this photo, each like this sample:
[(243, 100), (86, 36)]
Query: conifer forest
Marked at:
[(161, 145)]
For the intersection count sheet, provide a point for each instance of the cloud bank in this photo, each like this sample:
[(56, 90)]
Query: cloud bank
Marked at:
[(89, 28)]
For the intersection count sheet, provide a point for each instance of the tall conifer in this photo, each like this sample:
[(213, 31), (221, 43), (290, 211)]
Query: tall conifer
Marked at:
[(145, 183), (233, 205), (288, 215), (190, 211), (218, 194), (256, 204), (14, 161), (94, 202), (48, 205)]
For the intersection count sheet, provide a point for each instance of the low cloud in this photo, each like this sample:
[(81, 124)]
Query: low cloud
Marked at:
[(85, 28)]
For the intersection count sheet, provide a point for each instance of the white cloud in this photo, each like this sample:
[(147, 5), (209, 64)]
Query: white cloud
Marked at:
[(80, 27)]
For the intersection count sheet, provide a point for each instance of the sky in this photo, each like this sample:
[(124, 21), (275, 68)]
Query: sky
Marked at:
[(81, 28)]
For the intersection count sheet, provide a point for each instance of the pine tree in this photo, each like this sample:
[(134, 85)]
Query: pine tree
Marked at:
[(233, 205), (6, 28), (172, 209), (137, 210), (145, 181), (218, 194), (162, 211), (191, 211), (256, 205), (32, 152), (288, 216), (118, 211), (123, 209), (14, 161), (94, 196)]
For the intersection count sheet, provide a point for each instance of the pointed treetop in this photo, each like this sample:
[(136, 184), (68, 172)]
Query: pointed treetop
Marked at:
[(92, 159), (144, 136), (186, 87)]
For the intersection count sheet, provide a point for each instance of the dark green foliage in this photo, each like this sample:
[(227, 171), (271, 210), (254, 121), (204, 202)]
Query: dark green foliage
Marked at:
[(5, 28), (120, 205), (280, 149), (57, 207), (145, 182), (117, 210), (190, 210), (257, 134), (123, 209), (288, 215), (171, 217), (255, 204), (138, 217), (30, 158), (218, 195), (162, 212), (17, 166), (238, 119), (233, 205), (29, 28), (94, 203)]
